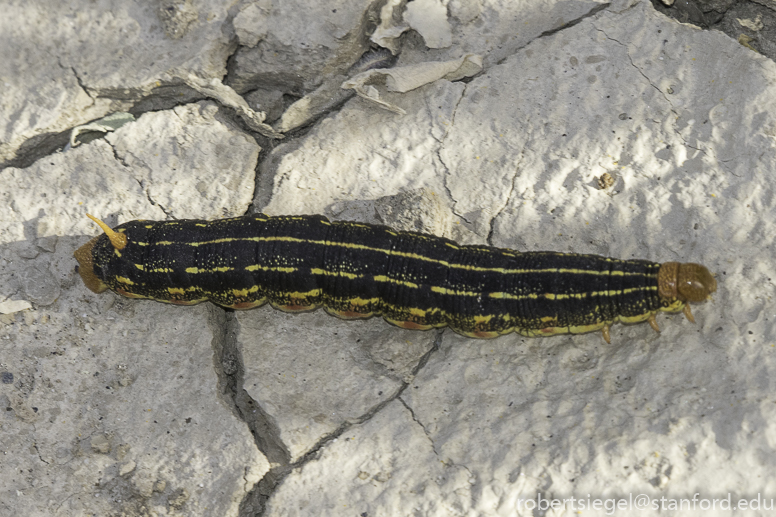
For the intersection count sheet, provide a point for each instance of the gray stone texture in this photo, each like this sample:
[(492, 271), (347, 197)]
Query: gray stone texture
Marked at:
[(82, 60)]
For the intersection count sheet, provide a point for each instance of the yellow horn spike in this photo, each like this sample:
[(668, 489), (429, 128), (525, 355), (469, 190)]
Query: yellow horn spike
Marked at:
[(119, 240)]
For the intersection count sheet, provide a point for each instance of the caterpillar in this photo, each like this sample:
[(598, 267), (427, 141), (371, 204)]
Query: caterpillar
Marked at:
[(355, 270)]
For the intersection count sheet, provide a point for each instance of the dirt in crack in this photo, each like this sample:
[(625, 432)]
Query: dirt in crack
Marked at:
[(228, 364)]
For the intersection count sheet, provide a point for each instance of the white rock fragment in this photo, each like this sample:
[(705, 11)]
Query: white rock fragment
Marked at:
[(304, 43), (406, 160), (300, 395), (104, 125), (30, 191), (11, 306), (82, 63), (407, 78), (251, 24), (217, 157), (215, 89), (127, 467), (429, 18), (754, 25), (465, 11), (388, 32), (313, 104), (385, 466)]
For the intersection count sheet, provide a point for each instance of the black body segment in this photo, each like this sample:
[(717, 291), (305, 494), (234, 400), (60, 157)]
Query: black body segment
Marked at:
[(357, 270)]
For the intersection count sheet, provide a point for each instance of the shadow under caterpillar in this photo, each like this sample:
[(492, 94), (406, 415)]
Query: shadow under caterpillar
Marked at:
[(355, 270)]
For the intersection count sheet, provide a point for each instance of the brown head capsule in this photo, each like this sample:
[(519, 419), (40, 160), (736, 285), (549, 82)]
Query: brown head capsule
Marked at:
[(686, 282)]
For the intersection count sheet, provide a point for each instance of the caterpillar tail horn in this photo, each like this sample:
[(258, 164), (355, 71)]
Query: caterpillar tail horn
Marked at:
[(86, 262), (119, 240)]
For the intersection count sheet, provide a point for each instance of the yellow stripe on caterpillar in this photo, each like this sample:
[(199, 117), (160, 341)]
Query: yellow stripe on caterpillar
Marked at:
[(196, 270), (395, 253)]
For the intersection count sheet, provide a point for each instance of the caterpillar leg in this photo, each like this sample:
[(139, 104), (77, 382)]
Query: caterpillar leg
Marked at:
[(348, 315), (688, 313), (411, 325), (653, 323), (607, 334), (291, 307)]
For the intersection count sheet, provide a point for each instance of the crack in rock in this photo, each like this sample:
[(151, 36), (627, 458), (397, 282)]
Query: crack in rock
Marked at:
[(151, 200), (492, 223), (81, 84), (117, 156), (78, 79), (228, 365), (640, 71), (40, 457), (441, 146), (231, 372), (446, 186), (653, 85), (254, 504), (425, 431), (594, 11), (473, 478)]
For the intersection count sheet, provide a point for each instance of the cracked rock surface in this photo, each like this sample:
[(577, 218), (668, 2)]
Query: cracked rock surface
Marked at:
[(593, 127)]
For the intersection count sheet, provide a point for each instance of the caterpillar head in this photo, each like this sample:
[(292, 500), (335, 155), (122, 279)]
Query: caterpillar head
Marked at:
[(85, 257), (686, 282)]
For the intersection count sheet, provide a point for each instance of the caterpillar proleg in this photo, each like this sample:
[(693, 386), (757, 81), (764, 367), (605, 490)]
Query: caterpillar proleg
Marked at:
[(355, 270)]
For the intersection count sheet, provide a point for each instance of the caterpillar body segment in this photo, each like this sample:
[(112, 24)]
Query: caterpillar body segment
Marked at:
[(356, 270)]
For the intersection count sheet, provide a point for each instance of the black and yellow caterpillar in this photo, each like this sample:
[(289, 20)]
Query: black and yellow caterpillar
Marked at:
[(413, 280)]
